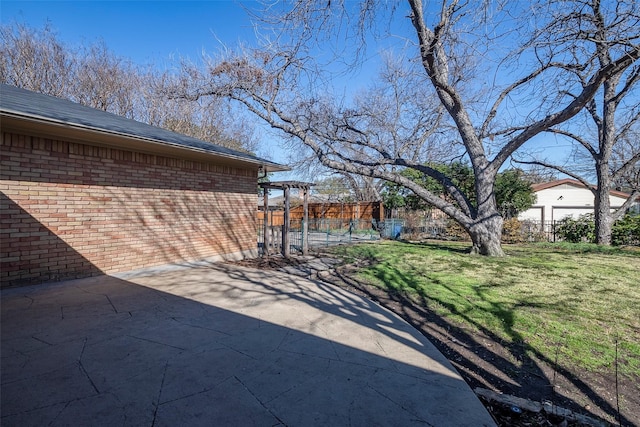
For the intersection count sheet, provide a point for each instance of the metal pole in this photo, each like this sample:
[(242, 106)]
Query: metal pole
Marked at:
[(265, 224), (305, 222), (285, 228), (327, 223)]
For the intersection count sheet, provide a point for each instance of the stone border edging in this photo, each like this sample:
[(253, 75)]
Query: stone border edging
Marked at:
[(536, 407)]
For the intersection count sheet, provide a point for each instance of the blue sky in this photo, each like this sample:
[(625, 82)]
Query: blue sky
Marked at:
[(143, 31), (152, 32)]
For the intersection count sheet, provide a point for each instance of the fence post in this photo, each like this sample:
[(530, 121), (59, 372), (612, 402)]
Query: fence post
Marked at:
[(265, 225), (327, 239), (305, 222), (286, 250)]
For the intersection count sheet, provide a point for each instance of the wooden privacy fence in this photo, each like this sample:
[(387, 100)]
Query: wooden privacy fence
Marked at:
[(344, 211)]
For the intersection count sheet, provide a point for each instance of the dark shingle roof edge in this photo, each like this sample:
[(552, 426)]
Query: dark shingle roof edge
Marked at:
[(26, 104)]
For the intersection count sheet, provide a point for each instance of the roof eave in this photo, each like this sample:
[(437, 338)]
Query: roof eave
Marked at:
[(48, 128), (574, 183)]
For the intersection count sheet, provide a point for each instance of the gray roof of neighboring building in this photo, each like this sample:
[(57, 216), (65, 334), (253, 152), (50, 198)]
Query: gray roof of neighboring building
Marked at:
[(22, 103)]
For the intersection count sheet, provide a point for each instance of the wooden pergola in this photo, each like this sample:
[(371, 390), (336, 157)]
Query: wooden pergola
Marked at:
[(286, 186)]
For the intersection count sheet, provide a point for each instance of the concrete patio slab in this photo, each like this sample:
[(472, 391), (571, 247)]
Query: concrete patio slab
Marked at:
[(219, 345)]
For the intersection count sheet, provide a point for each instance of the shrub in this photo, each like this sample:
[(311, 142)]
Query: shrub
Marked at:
[(512, 231), (576, 230), (456, 232), (626, 231)]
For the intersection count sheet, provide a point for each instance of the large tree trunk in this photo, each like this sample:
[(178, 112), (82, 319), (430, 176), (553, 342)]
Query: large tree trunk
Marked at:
[(485, 236), (486, 229), (602, 214)]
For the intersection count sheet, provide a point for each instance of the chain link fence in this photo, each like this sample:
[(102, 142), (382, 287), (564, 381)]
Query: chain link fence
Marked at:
[(321, 233), (330, 232)]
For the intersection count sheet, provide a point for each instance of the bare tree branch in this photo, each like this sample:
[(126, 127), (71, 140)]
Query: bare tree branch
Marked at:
[(559, 169), (554, 69)]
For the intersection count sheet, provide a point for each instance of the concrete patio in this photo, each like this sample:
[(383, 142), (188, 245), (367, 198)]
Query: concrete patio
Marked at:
[(219, 345)]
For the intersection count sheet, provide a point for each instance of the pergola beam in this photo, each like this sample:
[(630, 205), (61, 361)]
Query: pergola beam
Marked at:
[(286, 186)]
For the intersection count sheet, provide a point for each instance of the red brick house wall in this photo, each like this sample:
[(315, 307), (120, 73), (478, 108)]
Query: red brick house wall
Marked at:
[(74, 209)]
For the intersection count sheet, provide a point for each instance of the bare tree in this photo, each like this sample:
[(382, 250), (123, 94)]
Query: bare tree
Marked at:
[(627, 176), (607, 129), (35, 60), (350, 187), (457, 46), (94, 76), (105, 81), (392, 114)]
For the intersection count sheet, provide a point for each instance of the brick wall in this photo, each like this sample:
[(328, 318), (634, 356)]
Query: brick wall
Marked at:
[(74, 210)]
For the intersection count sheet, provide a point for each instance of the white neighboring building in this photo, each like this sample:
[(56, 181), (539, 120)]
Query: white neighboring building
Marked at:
[(563, 198)]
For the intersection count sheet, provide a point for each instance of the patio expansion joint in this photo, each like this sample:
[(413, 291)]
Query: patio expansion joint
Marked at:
[(178, 320), (400, 405), (333, 345), (52, 422), (111, 302), (82, 368), (228, 347), (31, 301), (156, 342), (157, 402), (66, 404), (113, 307), (41, 340), (260, 401), (187, 396), (392, 370), (86, 374), (282, 341)]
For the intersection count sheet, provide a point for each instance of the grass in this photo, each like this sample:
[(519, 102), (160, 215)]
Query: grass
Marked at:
[(570, 302)]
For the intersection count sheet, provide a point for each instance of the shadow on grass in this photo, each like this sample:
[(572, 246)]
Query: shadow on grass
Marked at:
[(589, 248), (460, 247), (515, 367)]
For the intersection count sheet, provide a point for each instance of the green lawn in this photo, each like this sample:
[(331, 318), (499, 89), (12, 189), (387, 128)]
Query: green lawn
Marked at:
[(565, 302)]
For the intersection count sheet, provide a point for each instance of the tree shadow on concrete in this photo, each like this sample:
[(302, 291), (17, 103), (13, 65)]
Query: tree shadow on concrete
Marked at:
[(218, 345)]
